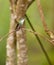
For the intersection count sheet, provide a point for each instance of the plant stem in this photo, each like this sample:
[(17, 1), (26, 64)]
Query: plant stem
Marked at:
[(11, 44), (21, 8), (40, 43), (42, 15)]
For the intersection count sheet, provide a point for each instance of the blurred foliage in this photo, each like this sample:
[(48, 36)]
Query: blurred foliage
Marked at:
[(36, 56)]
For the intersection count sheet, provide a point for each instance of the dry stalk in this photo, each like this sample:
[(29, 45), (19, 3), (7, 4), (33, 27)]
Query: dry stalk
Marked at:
[(49, 32), (21, 8), (11, 45)]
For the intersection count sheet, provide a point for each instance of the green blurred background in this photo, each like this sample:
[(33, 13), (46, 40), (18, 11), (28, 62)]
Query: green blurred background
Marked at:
[(35, 53)]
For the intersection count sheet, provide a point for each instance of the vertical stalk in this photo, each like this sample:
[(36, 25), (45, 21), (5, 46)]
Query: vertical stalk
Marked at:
[(21, 8), (42, 16), (11, 50), (11, 45), (21, 48)]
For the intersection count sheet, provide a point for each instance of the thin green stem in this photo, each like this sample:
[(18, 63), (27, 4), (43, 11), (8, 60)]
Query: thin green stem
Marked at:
[(40, 43)]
